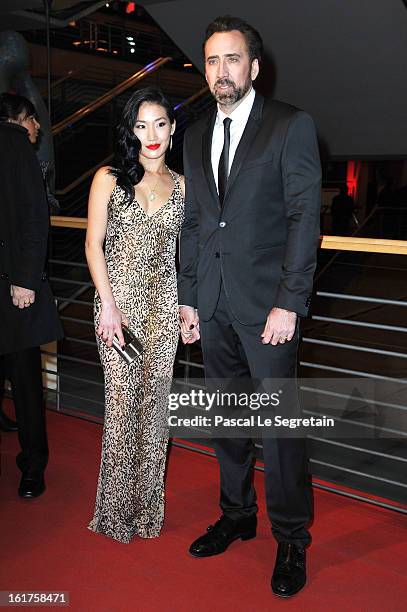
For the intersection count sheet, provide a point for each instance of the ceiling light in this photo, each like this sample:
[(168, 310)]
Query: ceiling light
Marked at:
[(132, 50), (129, 37)]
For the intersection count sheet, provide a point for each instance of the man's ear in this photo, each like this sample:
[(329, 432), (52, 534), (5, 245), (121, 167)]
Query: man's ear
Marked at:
[(254, 71)]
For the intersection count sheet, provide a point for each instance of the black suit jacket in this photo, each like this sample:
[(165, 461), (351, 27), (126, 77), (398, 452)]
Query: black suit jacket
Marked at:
[(263, 242), (24, 226)]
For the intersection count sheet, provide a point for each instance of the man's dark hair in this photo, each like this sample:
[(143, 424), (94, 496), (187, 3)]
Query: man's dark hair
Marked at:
[(13, 105), (227, 24)]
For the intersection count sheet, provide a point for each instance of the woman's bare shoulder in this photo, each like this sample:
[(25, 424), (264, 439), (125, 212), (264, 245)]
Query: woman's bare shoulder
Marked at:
[(104, 177)]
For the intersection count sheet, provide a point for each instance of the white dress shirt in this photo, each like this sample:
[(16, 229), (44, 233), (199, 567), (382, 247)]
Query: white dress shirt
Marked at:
[(239, 119)]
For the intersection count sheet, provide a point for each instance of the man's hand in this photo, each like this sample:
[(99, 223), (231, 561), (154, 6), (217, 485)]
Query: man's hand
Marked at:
[(23, 298), (189, 322), (280, 326)]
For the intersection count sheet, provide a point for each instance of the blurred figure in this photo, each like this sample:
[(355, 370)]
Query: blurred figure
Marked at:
[(342, 211), (27, 311), (386, 195), (15, 76), (6, 424)]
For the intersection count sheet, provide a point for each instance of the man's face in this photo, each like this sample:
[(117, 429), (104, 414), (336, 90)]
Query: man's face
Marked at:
[(31, 124), (228, 70)]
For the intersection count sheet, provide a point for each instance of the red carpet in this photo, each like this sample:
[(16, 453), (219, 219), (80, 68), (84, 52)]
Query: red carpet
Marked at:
[(357, 562)]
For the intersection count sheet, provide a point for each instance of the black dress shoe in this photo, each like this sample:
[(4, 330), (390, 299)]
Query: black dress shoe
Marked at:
[(31, 485), (289, 574), (7, 424), (224, 532)]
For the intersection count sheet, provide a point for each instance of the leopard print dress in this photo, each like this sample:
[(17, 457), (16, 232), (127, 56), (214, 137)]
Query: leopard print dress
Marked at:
[(140, 257)]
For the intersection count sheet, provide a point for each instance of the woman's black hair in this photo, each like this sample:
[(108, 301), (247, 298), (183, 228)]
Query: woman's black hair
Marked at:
[(127, 168), (12, 106)]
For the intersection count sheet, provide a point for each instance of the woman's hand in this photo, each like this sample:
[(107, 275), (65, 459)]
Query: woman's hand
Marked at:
[(110, 324)]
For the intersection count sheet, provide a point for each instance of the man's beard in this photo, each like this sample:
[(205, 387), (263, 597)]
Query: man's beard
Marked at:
[(234, 94)]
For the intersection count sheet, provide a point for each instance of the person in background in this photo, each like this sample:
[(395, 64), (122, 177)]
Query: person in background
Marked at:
[(6, 424), (31, 124), (28, 315), (342, 208)]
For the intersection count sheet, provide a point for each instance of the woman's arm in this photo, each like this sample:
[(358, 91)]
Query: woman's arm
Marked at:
[(111, 317)]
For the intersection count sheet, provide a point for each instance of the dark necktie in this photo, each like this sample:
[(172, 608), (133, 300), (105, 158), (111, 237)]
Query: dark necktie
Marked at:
[(223, 168)]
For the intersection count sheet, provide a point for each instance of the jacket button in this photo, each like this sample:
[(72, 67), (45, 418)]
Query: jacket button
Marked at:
[(222, 224), (217, 255), (3, 275), (2, 243)]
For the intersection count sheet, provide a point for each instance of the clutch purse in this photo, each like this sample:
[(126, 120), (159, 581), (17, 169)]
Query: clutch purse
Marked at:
[(132, 347)]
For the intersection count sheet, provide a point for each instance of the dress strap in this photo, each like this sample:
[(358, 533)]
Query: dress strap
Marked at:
[(174, 175)]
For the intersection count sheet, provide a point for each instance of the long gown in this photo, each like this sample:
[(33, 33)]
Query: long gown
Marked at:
[(140, 257)]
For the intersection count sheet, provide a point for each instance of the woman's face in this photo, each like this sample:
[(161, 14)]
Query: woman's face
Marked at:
[(30, 124), (153, 129)]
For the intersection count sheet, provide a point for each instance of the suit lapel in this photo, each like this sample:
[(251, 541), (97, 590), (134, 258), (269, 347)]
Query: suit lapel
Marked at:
[(207, 156), (248, 136)]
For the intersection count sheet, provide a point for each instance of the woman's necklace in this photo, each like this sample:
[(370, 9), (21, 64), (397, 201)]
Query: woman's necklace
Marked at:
[(151, 196)]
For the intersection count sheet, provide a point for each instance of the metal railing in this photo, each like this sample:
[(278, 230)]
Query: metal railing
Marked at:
[(104, 37), (373, 467), (110, 95)]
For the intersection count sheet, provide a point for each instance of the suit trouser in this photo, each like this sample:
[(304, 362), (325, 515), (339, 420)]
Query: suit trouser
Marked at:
[(24, 369), (2, 380), (232, 350)]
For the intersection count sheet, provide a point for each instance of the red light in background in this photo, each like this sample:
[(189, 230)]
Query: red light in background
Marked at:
[(131, 7), (352, 177)]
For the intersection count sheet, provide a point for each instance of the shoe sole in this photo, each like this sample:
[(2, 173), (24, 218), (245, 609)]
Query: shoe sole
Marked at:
[(25, 496), (292, 594), (248, 535)]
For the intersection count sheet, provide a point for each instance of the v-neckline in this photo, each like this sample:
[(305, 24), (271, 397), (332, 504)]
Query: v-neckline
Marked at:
[(174, 178)]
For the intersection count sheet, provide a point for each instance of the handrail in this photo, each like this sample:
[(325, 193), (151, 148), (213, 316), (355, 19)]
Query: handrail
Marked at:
[(335, 255), (198, 94), (71, 222), (337, 243), (68, 75), (84, 176), (364, 245), (134, 78)]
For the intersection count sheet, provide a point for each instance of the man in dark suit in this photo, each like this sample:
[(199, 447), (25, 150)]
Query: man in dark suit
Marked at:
[(27, 311), (248, 255)]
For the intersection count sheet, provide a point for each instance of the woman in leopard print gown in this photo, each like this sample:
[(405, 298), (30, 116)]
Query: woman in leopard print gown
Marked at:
[(137, 208)]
